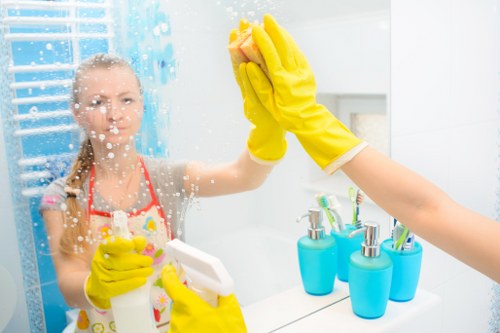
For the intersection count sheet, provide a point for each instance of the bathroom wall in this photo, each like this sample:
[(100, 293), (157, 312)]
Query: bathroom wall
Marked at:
[(444, 125)]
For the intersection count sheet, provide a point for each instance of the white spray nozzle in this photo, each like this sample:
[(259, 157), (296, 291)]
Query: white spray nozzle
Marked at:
[(120, 224), (204, 270)]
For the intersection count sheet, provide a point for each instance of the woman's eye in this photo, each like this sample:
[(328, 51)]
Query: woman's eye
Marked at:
[(95, 102), (128, 100)]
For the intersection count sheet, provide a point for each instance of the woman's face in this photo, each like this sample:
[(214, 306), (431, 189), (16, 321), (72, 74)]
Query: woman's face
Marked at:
[(110, 105)]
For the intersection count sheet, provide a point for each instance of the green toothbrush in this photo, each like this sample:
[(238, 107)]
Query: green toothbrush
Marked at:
[(322, 200)]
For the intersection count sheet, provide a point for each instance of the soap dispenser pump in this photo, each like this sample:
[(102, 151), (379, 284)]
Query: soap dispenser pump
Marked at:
[(317, 256), (370, 275)]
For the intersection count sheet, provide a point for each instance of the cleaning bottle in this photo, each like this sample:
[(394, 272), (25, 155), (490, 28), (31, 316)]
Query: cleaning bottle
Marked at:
[(370, 275), (132, 311), (317, 256)]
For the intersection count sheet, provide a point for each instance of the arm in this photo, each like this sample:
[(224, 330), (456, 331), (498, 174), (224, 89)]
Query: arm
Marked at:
[(266, 144), (414, 201), (244, 174), (71, 270), (429, 212)]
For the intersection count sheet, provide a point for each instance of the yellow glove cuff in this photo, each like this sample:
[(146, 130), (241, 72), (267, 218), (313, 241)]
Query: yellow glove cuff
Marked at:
[(346, 157), (101, 305)]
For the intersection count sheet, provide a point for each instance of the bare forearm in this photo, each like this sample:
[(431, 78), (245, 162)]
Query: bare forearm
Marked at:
[(239, 176), (428, 211), (72, 288)]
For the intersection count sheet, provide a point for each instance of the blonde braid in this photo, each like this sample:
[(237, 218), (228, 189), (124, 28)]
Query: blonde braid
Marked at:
[(76, 236)]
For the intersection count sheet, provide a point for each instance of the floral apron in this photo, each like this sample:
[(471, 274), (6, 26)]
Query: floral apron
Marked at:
[(151, 223)]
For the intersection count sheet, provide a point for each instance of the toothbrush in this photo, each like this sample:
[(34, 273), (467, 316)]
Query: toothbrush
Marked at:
[(359, 200), (352, 197), (401, 238), (324, 203), (356, 197), (338, 218)]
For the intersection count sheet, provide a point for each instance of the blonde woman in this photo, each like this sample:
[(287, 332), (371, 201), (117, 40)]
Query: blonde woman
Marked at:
[(109, 176)]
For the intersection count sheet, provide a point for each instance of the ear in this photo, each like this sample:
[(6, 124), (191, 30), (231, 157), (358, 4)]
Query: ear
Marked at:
[(77, 113)]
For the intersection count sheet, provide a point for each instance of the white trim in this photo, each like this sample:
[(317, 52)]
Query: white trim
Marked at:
[(35, 175), (35, 20), (43, 115), (27, 37), (40, 84), (46, 130), (41, 160), (343, 159), (50, 5), (41, 68), (41, 99)]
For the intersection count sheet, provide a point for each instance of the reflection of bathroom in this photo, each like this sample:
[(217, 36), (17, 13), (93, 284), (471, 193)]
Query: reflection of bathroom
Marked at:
[(351, 45)]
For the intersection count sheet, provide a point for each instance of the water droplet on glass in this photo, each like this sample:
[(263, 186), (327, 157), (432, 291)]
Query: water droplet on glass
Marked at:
[(111, 155), (102, 109), (71, 146), (127, 147), (102, 137), (109, 145), (49, 46), (33, 110), (77, 106)]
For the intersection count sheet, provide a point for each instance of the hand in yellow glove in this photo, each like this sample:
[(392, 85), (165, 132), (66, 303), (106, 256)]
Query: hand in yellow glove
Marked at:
[(289, 93), (117, 268), (191, 314), (266, 142)]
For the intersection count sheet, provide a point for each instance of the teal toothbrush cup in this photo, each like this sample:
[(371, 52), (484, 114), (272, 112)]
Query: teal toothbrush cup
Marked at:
[(345, 247), (406, 270)]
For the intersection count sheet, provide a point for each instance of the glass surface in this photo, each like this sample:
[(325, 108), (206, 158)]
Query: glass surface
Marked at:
[(193, 111)]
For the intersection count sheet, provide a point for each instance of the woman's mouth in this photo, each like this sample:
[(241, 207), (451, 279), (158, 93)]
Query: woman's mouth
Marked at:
[(115, 129)]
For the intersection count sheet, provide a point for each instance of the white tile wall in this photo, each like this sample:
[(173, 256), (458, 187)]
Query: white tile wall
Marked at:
[(444, 125)]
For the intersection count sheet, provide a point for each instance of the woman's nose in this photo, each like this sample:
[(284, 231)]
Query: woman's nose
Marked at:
[(114, 111)]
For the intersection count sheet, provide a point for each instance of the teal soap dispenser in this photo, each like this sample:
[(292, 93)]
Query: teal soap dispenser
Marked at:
[(317, 256), (370, 275)]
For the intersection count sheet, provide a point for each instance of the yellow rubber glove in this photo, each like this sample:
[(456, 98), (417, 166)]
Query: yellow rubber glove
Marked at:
[(266, 142), (191, 314), (117, 268), (289, 93)]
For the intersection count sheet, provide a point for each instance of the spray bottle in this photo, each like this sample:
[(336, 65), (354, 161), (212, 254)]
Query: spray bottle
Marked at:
[(132, 311)]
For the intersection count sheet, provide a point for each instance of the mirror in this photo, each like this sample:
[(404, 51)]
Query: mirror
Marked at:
[(197, 115), (347, 45)]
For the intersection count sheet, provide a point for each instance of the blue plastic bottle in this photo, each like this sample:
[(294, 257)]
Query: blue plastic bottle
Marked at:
[(406, 271), (317, 256), (346, 246), (370, 275)]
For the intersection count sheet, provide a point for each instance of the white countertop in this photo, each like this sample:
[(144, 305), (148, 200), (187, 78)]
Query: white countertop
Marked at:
[(296, 311)]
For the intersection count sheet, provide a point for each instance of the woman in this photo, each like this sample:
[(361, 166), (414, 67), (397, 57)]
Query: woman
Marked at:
[(109, 177)]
